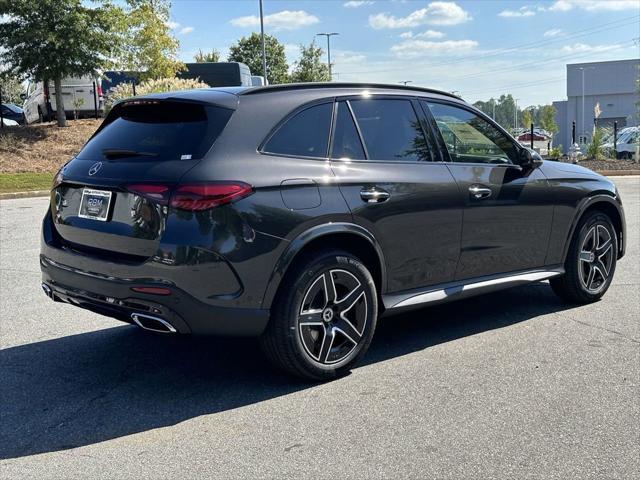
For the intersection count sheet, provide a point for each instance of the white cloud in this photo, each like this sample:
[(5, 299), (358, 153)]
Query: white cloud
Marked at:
[(583, 48), (436, 13), (554, 32), (423, 48), (522, 12), (284, 20), (348, 58), (594, 5), (357, 3), (172, 25), (185, 30), (425, 34)]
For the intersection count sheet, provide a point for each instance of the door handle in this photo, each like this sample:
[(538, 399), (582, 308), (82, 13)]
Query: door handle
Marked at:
[(479, 192), (374, 195)]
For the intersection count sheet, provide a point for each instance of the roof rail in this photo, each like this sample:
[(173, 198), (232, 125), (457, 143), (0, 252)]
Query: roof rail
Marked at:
[(313, 85)]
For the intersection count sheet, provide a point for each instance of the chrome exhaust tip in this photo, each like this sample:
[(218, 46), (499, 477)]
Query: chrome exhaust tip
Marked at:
[(47, 290), (153, 324)]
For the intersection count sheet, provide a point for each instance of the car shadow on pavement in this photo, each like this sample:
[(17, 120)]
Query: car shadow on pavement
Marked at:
[(92, 387)]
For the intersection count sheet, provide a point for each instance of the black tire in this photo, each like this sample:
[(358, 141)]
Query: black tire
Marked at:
[(572, 286), (300, 322)]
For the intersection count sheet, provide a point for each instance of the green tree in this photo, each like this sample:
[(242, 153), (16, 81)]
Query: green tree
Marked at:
[(248, 50), (202, 57), (548, 118), (11, 89), (504, 110), (526, 118), (309, 68), (148, 45), (52, 39)]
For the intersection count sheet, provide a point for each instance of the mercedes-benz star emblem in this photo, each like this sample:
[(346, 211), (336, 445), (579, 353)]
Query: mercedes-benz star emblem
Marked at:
[(95, 168)]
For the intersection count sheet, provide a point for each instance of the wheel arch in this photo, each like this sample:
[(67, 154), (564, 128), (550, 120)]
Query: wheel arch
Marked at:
[(345, 236), (607, 204)]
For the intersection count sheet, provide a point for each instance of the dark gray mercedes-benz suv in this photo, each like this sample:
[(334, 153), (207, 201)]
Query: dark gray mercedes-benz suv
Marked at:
[(300, 213)]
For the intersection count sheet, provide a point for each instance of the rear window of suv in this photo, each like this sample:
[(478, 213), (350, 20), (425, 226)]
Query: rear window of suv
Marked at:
[(306, 134), (157, 130)]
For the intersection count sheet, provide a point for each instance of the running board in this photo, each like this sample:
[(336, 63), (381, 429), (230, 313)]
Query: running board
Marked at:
[(458, 290)]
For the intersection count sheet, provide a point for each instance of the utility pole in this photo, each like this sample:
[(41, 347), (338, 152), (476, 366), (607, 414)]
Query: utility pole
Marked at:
[(328, 35), (515, 114), (264, 49), (493, 102)]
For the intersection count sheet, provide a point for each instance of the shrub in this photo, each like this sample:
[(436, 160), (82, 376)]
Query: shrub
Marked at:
[(594, 149), (125, 90), (556, 152)]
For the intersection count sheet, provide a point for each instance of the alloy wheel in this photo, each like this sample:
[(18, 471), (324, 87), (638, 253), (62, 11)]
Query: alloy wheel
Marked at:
[(333, 316), (595, 259)]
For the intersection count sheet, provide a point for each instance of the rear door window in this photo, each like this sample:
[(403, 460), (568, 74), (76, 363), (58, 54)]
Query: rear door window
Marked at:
[(346, 141), (391, 130), (306, 134), (157, 130)]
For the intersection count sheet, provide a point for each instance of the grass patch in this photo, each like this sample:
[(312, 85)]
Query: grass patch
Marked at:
[(22, 182)]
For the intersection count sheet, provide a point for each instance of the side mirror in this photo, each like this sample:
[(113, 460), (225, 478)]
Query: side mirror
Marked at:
[(23, 96), (530, 159)]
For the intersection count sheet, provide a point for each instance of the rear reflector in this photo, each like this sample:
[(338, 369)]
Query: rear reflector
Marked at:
[(152, 290)]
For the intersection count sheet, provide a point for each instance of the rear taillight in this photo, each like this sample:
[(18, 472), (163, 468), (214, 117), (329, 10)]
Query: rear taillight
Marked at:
[(99, 90), (204, 196), (193, 197), (157, 193)]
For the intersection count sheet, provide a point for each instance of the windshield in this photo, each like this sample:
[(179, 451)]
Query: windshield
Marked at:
[(627, 137), (157, 130)]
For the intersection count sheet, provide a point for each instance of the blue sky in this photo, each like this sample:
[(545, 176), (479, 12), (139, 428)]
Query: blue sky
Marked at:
[(479, 48)]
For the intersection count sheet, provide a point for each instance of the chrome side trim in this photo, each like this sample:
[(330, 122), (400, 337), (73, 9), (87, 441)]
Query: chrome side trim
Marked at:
[(137, 316), (460, 289)]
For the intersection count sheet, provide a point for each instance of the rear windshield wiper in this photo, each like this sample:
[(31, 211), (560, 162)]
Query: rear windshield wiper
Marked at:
[(120, 153)]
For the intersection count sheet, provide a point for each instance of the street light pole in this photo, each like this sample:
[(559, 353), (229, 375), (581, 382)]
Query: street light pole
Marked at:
[(264, 49), (328, 35), (582, 69)]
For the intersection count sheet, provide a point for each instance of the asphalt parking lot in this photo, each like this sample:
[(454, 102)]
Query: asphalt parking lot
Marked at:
[(510, 385)]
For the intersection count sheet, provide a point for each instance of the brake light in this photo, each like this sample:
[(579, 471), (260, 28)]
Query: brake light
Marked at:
[(193, 197), (205, 196), (156, 193), (99, 90)]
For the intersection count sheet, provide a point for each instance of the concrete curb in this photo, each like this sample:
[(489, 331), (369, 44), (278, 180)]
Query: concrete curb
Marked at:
[(45, 193), (618, 173), (32, 193)]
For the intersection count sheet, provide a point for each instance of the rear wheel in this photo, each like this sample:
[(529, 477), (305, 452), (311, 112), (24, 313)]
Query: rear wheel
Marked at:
[(591, 261), (324, 319)]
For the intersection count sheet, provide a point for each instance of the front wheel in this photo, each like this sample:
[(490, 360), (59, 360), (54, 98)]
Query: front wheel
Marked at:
[(324, 318), (591, 261)]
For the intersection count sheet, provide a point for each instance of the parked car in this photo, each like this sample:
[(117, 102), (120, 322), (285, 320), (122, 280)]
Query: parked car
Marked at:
[(13, 112), (626, 145), (40, 100), (301, 213), (7, 122), (218, 74)]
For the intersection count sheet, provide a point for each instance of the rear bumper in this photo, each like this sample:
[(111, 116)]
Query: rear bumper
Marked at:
[(106, 288), (114, 298)]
